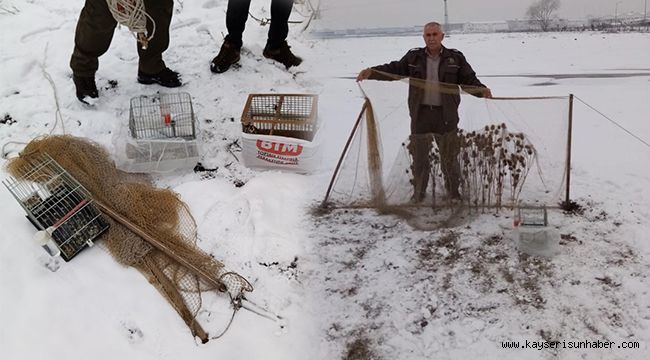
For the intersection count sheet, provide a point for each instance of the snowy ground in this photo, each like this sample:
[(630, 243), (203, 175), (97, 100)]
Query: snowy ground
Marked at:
[(351, 284)]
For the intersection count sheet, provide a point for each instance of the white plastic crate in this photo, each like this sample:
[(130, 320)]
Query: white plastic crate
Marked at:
[(160, 156), (532, 234), (279, 152)]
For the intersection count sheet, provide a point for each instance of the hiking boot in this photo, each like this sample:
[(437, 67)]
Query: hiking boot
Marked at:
[(228, 55), (86, 88), (165, 77), (282, 55)]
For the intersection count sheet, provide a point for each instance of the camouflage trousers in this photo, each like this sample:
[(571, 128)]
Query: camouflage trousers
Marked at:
[(424, 131), (95, 29)]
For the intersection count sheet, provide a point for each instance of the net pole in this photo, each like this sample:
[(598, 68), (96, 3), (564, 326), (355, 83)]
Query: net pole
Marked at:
[(345, 150), (568, 154), (209, 278)]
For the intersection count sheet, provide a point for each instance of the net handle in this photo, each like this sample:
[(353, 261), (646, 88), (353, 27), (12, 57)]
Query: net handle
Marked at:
[(345, 151), (209, 278)]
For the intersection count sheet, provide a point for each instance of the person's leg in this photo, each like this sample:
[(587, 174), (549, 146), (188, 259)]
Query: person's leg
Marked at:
[(420, 144), (151, 61), (92, 37), (236, 17), (279, 29), (449, 146), (276, 46), (151, 67), (229, 54)]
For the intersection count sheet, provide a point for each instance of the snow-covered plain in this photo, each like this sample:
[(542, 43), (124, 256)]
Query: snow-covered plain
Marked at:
[(351, 284)]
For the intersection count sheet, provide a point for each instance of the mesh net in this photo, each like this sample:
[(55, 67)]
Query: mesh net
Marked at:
[(507, 152), (177, 267)]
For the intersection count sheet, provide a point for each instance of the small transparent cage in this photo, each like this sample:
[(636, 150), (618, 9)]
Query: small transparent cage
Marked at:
[(532, 232), (55, 201), (163, 128), (289, 115)]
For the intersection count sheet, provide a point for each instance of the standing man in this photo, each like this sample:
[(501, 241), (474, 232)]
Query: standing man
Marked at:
[(93, 36), (433, 104), (276, 46)]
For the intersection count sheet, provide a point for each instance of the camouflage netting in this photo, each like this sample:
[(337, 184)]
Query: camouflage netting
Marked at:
[(511, 152), (158, 212)]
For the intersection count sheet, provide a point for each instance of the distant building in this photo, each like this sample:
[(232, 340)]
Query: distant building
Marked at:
[(523, 25), (485, 27)]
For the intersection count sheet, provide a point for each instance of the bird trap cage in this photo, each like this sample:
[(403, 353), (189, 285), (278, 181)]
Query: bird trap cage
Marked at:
[(289, 115), (163, 129), (56, 203), (532, 232), (279, 132)]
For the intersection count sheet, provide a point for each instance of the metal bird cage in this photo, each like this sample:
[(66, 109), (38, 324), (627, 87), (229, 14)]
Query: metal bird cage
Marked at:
[(163, 127), (55, 202), (533, 217), (162, 116), (289, 115)]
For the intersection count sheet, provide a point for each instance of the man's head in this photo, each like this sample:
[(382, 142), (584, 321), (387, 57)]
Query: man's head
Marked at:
[(433, 36)]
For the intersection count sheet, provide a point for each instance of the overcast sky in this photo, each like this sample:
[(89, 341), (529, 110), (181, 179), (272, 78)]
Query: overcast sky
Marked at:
[(377, 13)]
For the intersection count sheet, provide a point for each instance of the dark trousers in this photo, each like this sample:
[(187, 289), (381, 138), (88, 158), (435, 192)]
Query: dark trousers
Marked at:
[(426, 128), (237, 14), (95, 29)]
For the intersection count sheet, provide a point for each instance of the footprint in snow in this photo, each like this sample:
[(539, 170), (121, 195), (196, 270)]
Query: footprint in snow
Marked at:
[(133, 333)]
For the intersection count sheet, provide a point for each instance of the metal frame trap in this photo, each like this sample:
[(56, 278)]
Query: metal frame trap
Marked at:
[(163, 127), (57, 203), (289, 115)]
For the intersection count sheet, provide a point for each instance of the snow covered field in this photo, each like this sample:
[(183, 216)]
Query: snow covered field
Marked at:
[(351, 284)]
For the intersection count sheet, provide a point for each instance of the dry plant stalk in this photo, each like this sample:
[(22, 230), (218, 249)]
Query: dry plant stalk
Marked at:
[(492, 161)]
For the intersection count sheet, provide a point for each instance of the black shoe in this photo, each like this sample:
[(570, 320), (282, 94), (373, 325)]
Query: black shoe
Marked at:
[(228, 55), (282, 55), (86, 88), (166, 77)]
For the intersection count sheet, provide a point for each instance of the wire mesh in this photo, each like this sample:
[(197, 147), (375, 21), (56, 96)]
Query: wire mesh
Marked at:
[(51, 197), (162, 116), (290, 115)]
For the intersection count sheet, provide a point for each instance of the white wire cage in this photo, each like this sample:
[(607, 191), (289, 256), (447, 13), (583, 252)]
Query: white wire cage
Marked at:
[(162, 116), (163, 129), (57, 203)]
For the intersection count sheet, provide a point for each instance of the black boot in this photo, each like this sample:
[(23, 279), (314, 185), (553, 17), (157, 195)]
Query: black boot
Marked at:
[(228, 55), (166, 77), (86, 88), (282, 55)]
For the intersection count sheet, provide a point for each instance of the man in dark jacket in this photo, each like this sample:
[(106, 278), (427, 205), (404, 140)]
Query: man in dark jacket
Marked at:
[(435, 74), (276, 45), (93, 36)]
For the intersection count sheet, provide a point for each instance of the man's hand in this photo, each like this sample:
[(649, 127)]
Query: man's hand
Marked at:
[(364, 74), (487, 93)]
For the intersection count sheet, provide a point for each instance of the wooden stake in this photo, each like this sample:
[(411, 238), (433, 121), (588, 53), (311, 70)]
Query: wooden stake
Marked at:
[(567, 198), (345, 150)]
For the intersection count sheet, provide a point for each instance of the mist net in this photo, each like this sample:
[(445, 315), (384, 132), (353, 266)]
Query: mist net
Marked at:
[(508, 152)]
